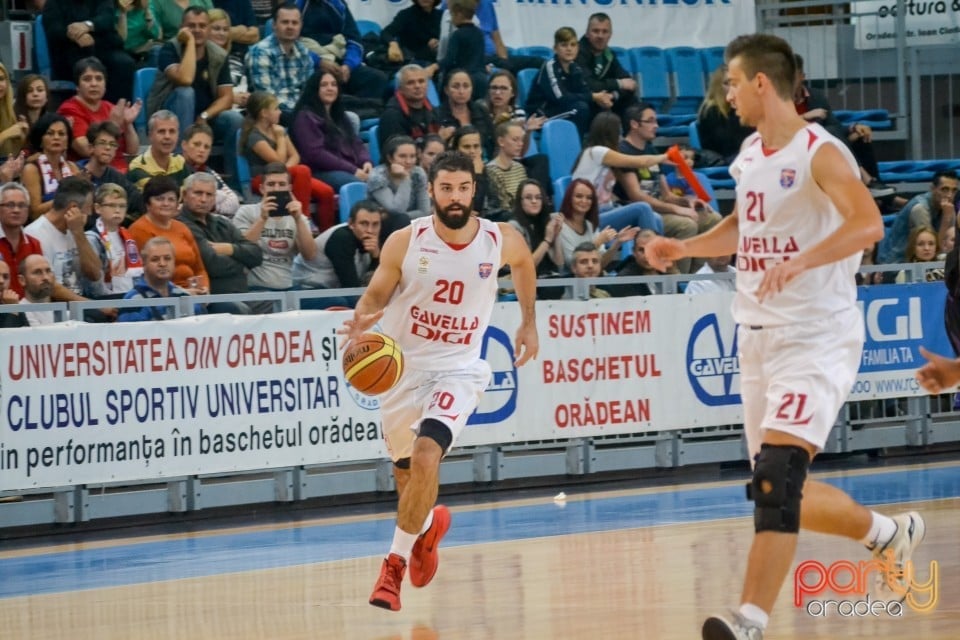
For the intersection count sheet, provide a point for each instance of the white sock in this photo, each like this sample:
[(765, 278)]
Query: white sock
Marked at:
[(882, 530), (755, 614), (403, 543), (427, 522)]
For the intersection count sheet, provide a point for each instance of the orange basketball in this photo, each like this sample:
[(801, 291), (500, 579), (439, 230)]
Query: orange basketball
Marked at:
[(372, 363)]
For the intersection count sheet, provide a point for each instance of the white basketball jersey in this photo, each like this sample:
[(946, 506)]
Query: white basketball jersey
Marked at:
[(782, 212), (441, 308)]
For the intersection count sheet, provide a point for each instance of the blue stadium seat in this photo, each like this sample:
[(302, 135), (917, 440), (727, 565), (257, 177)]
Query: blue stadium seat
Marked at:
[(243, 172), (687, 71), (711, 57), (559, 188), (42, 52), (142, 81), (373, 145), (537, 51), (878, 119), (718, 177), (560, 140), (650, 71), (705, 183), (525, 78), (623, 56), (351, 193), (368, 26), (694, 133)]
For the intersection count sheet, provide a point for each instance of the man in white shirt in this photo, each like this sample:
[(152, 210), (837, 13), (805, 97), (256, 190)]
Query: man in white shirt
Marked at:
[(720, 264), (36, 277)]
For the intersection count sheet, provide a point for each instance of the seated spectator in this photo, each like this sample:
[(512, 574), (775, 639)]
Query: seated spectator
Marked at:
[(504, 173), (13, 129), (324, 20), (115, 247), (581, 216), (922, 246), (226, 253), (398, 184), (539, 227), (43, 172), (194, 83), (465, 48), (560, 89), (33, 100), (15, 244), (156, 281), (414, 34), (459, 110), (78, 30), (88, 106), (220, 35), (486, 201), (936, 208), (586, 264), (138, 28), (281, 64), (280, 226), (408, 112), (103, 147), (263, 139), (160, 196), (197, 144), (638, 265), (61, 234), (331, 147), (502, 105), (428, 148), (596, 163), (244, 26), (37, 281), (602, 69), (720, 264), (347, 254), (169, 13), (7, 297), (163, 131), (675, 185), (718, 124)]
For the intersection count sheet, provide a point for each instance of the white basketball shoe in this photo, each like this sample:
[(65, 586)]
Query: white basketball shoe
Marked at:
[(894, 584), (731, 626)]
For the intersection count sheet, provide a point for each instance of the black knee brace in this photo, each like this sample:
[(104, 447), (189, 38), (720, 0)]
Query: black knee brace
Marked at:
[(777, 487), (402, 463), (436, 431)]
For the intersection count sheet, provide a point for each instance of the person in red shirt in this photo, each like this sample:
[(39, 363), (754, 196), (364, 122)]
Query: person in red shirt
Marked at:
[(88, 106)]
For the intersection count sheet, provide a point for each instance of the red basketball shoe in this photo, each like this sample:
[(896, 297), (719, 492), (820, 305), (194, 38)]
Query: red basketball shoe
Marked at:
[(425, 557), (386, 593)]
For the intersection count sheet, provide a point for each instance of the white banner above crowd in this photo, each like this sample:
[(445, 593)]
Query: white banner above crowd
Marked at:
[(636, 23), (928, 23)]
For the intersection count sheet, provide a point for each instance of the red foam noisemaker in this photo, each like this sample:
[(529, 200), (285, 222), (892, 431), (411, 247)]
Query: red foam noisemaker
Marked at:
[(676, 158)]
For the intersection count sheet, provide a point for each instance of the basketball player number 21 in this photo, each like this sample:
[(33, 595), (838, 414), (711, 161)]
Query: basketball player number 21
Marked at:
[(792, 403), (755, 211), (449, 292)]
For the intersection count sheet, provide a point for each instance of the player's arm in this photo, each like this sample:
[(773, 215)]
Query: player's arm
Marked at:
[(385, 279), (721, 240), (517, 254), (862, 225)]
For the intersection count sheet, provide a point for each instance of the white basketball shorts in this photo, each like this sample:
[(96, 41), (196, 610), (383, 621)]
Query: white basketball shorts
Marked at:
[(795, 378)]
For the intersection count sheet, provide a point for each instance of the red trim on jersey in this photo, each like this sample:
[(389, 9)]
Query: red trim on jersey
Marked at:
[(493, 236), (457, 247), (767, 151), (421, 231), (813, 138)]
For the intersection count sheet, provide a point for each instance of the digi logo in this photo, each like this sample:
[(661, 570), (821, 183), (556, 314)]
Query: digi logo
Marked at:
[(712, 363)]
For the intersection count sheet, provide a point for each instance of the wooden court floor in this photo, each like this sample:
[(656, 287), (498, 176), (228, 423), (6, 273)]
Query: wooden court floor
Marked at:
[(625, 564)]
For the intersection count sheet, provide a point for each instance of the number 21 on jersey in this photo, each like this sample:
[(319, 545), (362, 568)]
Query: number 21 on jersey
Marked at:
[(755, 212)]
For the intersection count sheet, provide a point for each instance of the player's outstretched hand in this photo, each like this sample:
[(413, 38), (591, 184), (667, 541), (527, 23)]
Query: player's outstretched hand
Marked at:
[(939, 373), (526, 344), (776, 278), (358, 325), (662, 252)]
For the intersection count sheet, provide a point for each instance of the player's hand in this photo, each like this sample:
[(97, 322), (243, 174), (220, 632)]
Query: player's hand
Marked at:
[(662, 252), (939, 373), (526, 344), (777, 277), (357, 326)]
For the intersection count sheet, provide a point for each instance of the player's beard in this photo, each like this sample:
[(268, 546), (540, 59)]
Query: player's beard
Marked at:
[(455, 221)]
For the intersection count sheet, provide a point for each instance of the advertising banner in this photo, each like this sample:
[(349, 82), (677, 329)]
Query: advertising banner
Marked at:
[(928, 22)]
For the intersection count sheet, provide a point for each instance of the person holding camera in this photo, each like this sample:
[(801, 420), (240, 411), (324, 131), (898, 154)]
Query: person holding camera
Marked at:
[(278, 225)]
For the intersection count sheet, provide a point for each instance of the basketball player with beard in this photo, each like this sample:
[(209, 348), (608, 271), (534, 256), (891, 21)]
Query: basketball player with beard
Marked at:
[(433, 292), (800, 225)]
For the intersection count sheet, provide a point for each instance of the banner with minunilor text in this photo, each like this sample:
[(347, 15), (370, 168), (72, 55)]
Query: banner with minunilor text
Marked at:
[(636, 23), (88, 404)]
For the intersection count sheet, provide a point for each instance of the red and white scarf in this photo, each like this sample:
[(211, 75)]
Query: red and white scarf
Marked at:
[(131, 253), (50, 179)]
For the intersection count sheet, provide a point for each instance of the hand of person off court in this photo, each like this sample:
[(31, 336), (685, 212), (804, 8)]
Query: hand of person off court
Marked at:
[(939, 373), (661, 252), (358, 325)]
